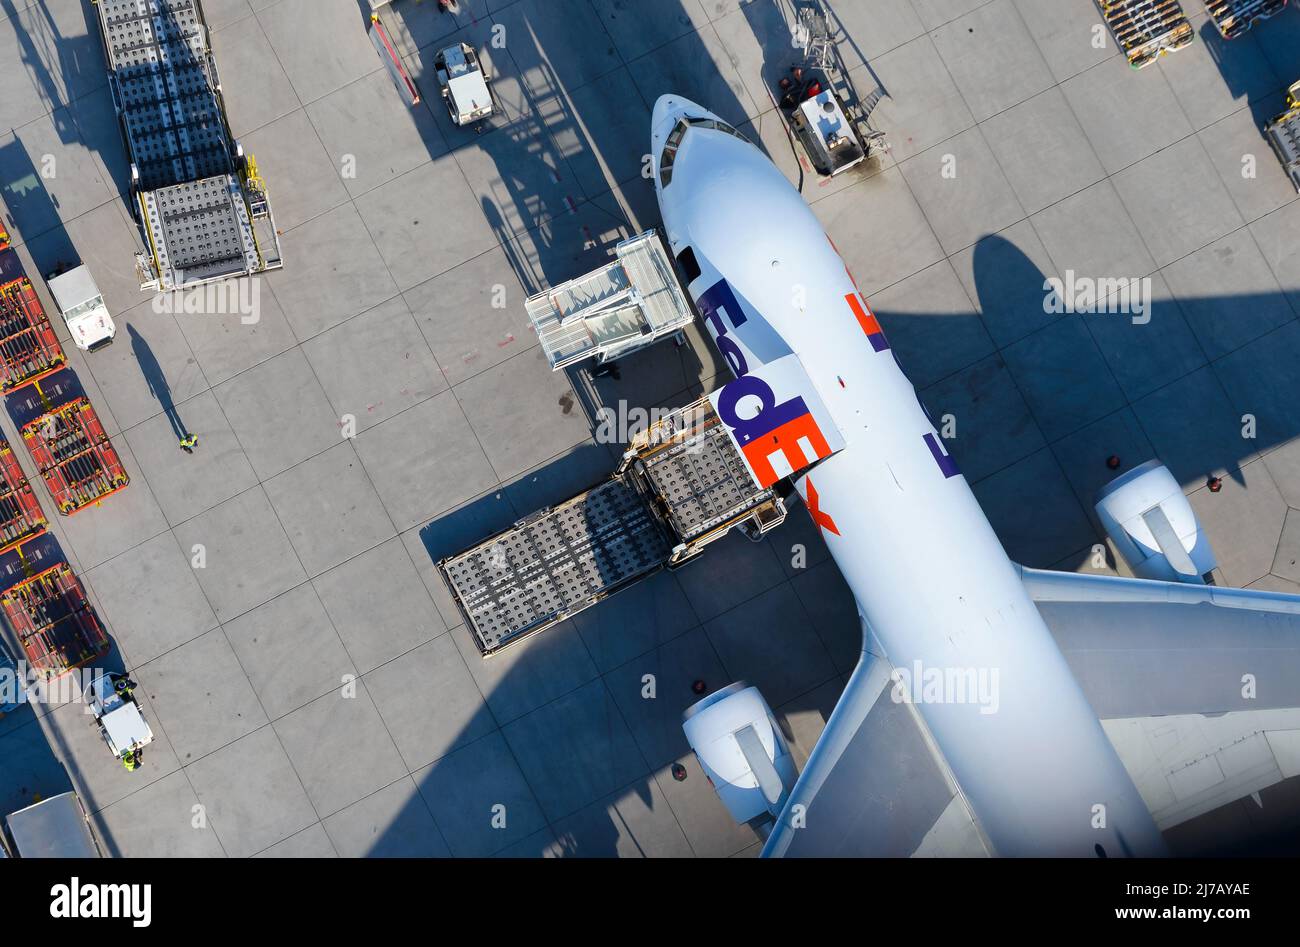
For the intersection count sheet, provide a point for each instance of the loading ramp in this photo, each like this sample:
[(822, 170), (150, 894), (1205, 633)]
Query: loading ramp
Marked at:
[(202, 206), (682, 485), (1234, 17), (1147, 29), (629, 303)]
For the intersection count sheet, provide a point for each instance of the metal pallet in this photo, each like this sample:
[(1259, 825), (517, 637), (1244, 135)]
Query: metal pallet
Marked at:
[(1284, 135), (29, 349), (1234, 17), (74, 455), (53, 620), (21, 517), (1146, 29)]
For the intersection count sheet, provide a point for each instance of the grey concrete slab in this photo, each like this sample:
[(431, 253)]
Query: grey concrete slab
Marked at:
[(306, 179), (534, 672), (989, 418), (663, 22), (830, 604), (1280, 42), (328, 509), (1064, 32), (391, 823), (931, 324), (130, 372), (247, 559), (290, 651), (654, 689), (571, 243), (923, 107), (253, 81), (1063, 377), (699, 67), (1155, 192), (1042, 150), (935, 13), (705, 821), (400, 139), (472, 316), (201, 696), (574, 750), (407, 218), (48, 178), (279, 413), (891, 243), (599, 130), (340, 749), (542, 844), (769, 641), (1194, 430), (102, 240), (94, 123), (875, 28), (635, 621), (803, 719), (116, 523), (378, 606), (1142, 357), (228, 343), (27, 98), (375, 365), (798, 543), (962, 191), (311, 842), (1283, 465), (1112, 101), (1214, 77), (557, 42), (464, 788), (1278, 236), (221, 13), (32, 771), (1257, 187), (299, 30), (1083, 455), (635, 822), (424, 461), (1034, 511), (429, 702), (1272, 406), (1004, 276), (1244, 523), (522, 413), (337, 272), (1286, 561), (411, 26), (167, 808), (250, 794), (100, 779), (1227, 293), (734, 571), (187, 484), (151, 598), (1091, 233), (992, 58)]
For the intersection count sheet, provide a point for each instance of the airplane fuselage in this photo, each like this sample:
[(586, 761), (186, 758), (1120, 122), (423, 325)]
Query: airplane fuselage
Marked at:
[(930, 577)]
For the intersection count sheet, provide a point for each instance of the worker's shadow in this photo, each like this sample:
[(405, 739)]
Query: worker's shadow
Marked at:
[(157, 381)]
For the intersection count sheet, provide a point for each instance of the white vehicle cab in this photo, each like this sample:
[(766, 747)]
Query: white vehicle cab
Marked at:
[(82, 305), (464, 84)]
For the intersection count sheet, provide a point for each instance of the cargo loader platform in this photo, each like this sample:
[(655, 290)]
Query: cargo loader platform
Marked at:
[(682, 485), (53, 620)]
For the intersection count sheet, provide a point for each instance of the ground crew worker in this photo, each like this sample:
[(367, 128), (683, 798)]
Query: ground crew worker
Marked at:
[(123, 685), (130, 760), (189, 442)]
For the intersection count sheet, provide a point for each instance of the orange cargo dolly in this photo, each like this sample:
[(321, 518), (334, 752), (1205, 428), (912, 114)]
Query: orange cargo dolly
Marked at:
[(29, 350), (53, 619), (74, 455), (21, 517)]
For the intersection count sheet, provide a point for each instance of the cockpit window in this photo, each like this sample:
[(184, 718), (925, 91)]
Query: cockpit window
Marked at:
[(675, 142)]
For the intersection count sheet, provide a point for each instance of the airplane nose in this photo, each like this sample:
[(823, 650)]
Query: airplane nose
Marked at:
[(668, 109)]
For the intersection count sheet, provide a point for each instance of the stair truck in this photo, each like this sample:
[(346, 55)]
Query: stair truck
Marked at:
[(201, 204)]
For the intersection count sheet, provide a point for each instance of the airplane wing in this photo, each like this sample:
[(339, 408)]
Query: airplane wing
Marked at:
[(1197, 687)]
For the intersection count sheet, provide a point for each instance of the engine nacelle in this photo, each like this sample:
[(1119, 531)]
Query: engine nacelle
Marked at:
[(743, 752), (1147, 516)]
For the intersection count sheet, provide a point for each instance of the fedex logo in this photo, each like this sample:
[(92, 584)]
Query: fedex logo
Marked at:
[(776, 436)]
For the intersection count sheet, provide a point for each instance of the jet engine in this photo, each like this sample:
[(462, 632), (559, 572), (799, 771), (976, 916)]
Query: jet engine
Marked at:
[(743, 752), (1153, 526)]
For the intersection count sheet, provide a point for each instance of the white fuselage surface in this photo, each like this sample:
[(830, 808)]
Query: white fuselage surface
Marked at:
[(930, 578)]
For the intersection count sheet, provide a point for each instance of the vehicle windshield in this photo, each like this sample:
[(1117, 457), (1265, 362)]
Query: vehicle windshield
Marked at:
[(457, 63), (88, 306)]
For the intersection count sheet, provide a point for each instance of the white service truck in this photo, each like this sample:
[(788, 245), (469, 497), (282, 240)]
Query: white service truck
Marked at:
[(83, 308), (52, 828)]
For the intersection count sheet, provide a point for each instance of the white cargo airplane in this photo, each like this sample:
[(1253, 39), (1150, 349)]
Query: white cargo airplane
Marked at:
[(903, 769)]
